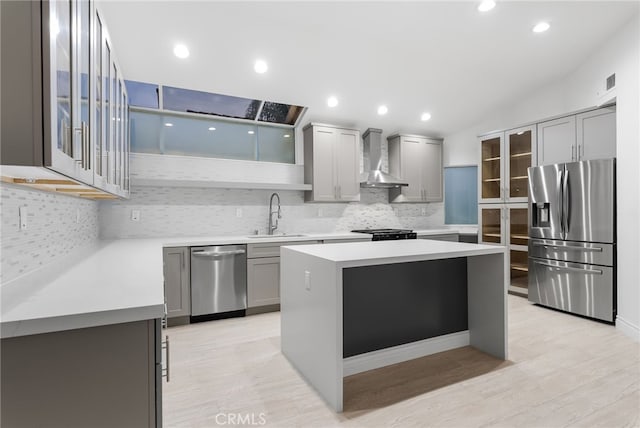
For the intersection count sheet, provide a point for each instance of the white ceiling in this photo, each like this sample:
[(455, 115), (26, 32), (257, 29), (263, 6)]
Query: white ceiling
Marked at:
[(442, 57)]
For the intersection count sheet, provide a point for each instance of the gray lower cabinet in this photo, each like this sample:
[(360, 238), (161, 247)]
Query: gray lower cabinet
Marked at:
[(469, 238), (453, 237), (106, 376), (263, 273), (263, 281), (177, 284)]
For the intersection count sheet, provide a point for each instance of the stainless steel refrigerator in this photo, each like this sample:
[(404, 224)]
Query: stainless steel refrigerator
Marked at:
[(572, 237)]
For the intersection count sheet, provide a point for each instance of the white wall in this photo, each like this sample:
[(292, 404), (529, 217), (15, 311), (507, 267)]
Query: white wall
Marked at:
[(52, 230), (581, 89)]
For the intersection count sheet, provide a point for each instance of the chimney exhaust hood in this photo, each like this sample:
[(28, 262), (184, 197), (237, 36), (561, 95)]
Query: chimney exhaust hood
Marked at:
[(375, 177)]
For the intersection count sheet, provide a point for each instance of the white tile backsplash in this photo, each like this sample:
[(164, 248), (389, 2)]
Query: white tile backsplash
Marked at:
[(52, 230), (166, 211)]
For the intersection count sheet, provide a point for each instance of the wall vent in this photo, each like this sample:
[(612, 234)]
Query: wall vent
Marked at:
[(611, 81)]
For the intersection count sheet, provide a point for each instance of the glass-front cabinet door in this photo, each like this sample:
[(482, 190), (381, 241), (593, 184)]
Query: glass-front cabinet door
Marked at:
[(491, 170), (59, 55), (98, 129), (84, 102), (66, 38), (520, 155), (127, 145), (518, 247), (107, 162), (492, 225)]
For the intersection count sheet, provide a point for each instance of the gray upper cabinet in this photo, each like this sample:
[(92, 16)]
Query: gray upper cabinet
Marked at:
[(331, 163), (585, 136), (557, 140), (177, 283), (596, 134), (418, 161), (57, 106)]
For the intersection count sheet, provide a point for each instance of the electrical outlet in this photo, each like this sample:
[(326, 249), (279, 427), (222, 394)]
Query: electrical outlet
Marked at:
[(23, 217), (239, 212), (320, 212), (423, 211), (135, 215), (77, 215), (307, 280)]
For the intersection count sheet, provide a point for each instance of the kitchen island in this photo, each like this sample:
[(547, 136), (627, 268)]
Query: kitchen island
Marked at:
[(349, 308)]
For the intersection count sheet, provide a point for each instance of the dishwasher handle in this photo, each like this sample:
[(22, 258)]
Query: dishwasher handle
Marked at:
[(217, 253)]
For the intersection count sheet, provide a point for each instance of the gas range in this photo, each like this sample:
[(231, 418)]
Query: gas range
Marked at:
[(388, 234)]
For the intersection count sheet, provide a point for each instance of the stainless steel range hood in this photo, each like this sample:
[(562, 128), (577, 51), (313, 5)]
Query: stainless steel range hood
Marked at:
[(374, 176)]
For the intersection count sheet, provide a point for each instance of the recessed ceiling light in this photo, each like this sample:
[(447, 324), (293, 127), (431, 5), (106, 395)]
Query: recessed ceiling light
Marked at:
[(251, 132), (486, 5), (168, 124), (541, 27), (287, 136), (425, 116), (332, 102), (212, 129), (260, 66), (181, 51), (382, 110)]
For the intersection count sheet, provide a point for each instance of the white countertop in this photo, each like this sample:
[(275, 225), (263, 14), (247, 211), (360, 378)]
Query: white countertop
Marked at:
[(115, 281), (383, 252), (224, 240)]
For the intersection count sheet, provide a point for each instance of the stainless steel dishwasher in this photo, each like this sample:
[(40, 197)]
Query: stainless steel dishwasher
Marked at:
[(218, 279)]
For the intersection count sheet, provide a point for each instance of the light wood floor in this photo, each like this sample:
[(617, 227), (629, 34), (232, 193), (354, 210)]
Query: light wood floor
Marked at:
[(562, 371)]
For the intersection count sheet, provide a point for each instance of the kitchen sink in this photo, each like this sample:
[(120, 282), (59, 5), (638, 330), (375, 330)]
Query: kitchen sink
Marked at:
[(275, 236)]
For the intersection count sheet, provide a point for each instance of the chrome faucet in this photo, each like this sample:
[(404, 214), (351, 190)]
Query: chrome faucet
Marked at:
[(273, 226)]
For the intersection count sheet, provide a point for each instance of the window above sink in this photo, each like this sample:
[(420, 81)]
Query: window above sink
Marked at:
[(182, 122)]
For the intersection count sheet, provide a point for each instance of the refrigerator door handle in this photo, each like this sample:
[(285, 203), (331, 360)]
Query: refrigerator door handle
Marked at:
[(560, 209), (566, 207), (574, 269), (568, 247)]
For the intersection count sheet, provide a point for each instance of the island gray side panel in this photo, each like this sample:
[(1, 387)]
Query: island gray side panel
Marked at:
[(488, 278), (394, 304)]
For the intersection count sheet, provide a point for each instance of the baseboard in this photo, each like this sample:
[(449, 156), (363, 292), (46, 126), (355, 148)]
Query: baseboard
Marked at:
[(263, 309), (176, 321), (629, 329), (398, 354)]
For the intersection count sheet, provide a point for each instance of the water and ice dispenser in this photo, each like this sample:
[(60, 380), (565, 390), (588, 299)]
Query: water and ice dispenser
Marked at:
[(541, 214)]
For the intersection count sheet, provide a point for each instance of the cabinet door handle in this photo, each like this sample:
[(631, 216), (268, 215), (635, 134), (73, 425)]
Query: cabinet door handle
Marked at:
[(581, 148), (167, 369), (573, 148), (85, 145), (339, 192), (66, 135), (80, 159)]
